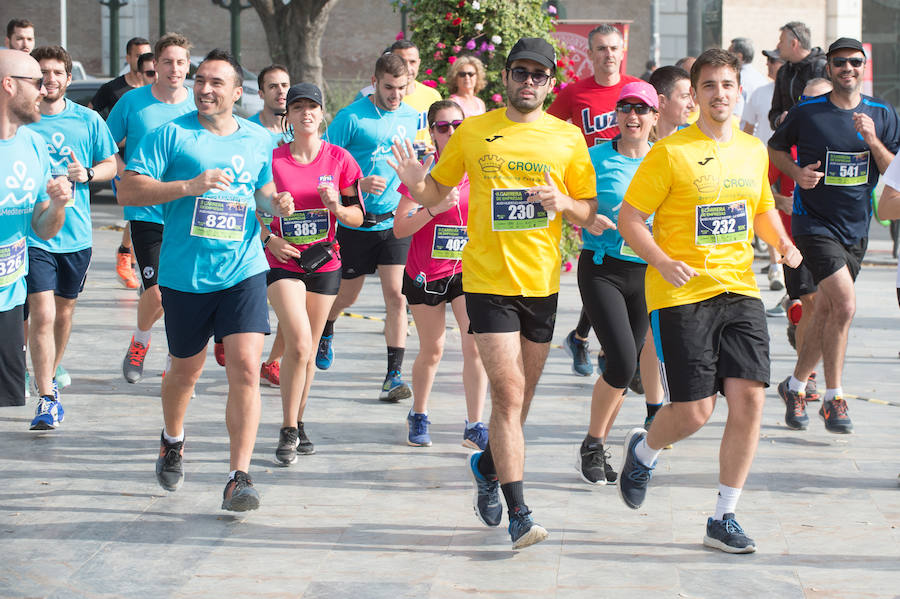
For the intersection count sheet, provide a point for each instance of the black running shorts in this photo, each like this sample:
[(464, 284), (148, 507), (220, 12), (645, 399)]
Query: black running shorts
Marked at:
[(825, 255), (533, 317)]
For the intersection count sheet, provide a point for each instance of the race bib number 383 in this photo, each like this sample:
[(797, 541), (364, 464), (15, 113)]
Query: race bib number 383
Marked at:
[(219, 218), (511, 210), (846, 168), (305, 226), (12, 262), (722, 223)]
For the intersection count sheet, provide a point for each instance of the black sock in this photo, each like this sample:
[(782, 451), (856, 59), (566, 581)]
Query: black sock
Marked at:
[(395, 358), (652, 409), (486, 463), (329, 328), (124, 250), (589, 441), (514, 493), (584, 326)]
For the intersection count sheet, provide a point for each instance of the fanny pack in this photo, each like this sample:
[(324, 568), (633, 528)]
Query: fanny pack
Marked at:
[(317, 255)]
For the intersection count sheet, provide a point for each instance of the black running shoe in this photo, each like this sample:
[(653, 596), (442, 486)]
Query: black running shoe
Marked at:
[(304, 445), (636, 384), (834, 413), (169, 468), (523, 530), (592, 464), (795, 407), (286, 453), (487, 494), (635, 475), (239, 494), (728, 536)]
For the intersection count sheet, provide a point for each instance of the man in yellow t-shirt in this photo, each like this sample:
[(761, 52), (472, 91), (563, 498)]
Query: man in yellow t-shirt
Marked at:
[(708, 188), (526, 171)]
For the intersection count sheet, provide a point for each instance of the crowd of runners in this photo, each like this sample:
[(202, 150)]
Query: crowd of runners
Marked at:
[(669, 181)]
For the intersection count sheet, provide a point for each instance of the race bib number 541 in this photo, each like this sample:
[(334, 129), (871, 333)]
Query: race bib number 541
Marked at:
[(846, 168), (722, 223)]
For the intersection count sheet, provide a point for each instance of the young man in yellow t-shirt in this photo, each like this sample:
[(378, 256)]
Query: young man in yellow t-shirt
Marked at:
[(524, 168), (708, 188)]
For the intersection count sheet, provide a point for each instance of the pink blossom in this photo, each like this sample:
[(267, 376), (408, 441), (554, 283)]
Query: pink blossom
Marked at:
[(483, 46), (399, 36), (451, 59), (568, 264), (457, 21), (441, 79), (496, 98), (430, 82), (563, 85), (428, 71), (456, 49), (490, 47), (551, 10), (440, 45), (470, 45), (438, 55)]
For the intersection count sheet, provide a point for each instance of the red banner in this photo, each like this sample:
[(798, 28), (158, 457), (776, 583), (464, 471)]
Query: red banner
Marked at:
[(574, 35)]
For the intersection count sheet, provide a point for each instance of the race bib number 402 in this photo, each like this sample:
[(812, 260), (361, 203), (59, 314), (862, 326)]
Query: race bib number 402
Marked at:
[(722, 223), (219, 218), (511, 210), (449, 241)]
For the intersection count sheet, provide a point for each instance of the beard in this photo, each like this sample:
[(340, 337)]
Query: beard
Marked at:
[(525, 105), (23, 110)]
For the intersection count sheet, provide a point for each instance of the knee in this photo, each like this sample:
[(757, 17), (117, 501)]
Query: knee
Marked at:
[(619, 370), (394, 301), (242, 371), (843, 309), (431, 353), (302, 348), (692, 416)]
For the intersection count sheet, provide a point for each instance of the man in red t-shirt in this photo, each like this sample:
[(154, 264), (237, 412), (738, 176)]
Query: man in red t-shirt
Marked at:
[(591, 103)]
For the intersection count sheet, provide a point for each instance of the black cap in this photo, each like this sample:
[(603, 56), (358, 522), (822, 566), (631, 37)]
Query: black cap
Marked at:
[(773, 54), (304, 90), (845, 43), (533, 48)]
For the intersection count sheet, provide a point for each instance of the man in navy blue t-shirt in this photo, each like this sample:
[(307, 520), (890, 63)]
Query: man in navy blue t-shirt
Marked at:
[(844, 141)]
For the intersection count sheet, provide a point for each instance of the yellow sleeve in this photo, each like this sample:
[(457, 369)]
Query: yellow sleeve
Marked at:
[(580, 181), (652, 181), (451, 166), (766, 199)]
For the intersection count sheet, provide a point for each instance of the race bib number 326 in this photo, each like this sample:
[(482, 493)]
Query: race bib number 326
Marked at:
[(511, 210), (722, 223), (12, 262), (219, 218)]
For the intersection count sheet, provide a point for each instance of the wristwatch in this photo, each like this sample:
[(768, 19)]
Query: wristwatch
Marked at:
[(90, 173)]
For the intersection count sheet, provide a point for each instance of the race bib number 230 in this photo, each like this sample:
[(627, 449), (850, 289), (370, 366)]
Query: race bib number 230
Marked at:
[(511, 210)]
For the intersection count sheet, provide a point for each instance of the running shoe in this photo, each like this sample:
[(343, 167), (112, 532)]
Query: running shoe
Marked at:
[(48, 415), (776, 277), (487, 494), (239, 494), (728, 536), (219, 353), (812, 391), (62, 378), (578, 349), (834, 414), (592, 464), (635, 475), (286, 453), (418, 430), (269, 373), (636, 384), (133, 364), (778, 309), (601, 363), (325, 353), (125, 271), (795, 407), (523, 530), (304, 445), (169, 468), (394, 389), (475, 437)]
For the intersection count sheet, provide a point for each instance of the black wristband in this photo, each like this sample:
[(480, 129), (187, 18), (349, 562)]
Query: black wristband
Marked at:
[(268, 238)]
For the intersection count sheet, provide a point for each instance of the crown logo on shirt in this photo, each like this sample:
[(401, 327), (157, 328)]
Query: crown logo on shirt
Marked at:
[(490, 163), (706, 184)]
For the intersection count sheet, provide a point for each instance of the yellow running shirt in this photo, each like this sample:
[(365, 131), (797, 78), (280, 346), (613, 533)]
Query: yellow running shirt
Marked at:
[(705, 197), (422, 99), (513, 246)]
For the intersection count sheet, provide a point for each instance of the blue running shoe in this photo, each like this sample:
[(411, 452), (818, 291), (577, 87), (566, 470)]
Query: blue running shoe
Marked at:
[(62, 377), (418, 430), (325, 354), (523, 530), (48, 415), (634, 476), (394, 389), (728, 536), (601, 364), (487, 494), (578, 349), (475, 437)]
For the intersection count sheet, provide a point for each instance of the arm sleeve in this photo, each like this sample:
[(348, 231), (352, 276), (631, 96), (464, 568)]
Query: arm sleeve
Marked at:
[(580, 179), (652, 181), (350, 171)]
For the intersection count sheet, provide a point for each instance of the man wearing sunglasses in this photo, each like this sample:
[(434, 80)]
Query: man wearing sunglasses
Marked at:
[(525, 167), (802, 63), (844, 141), (147, 68)]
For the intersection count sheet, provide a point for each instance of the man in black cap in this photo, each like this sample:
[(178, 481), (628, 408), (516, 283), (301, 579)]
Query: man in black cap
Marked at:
[(844, 140), (524, 166), (802, 63)]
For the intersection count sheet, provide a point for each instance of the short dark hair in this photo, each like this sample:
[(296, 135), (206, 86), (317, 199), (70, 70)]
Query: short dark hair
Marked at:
[(800, 32), (136, 41), (261, 78), (402, 45), (226, 56), (390, 64), (715, 57), (664, 79), (145, 57), (441, 105), (17, 24), (603, 29), (54, 53), (744, 46)]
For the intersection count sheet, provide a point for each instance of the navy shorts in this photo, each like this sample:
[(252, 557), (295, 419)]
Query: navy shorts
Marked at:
[(12, 358), (63, 274), (192, 318)]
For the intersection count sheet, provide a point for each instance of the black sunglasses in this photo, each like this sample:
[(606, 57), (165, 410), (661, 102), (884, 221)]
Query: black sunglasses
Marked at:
[(38, 82), (854, 61), (444, 126), (640, 109), (150, 73), (521, 75)]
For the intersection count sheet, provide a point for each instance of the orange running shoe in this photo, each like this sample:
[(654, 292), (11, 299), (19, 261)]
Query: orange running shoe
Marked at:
[(125, 271), (219, 353)]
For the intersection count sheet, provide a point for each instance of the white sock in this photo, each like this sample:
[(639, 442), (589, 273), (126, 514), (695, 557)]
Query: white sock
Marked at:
[(168, 363), (646, 454), (170, 439), (411, 412), (142, 337), (231, 474), (471, 425), (796, 386), (726, 501), (832, 393)]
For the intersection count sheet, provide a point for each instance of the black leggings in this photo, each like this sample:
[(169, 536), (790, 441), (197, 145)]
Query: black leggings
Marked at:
[(613, 297)]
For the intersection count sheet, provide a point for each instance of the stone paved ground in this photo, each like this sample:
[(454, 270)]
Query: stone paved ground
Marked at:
[(82, 516)]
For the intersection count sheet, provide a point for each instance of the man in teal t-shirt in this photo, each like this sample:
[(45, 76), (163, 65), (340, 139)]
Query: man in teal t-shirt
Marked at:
[(81, 149), (367, 128), (274, 83), (137, 113), (209, 170)]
